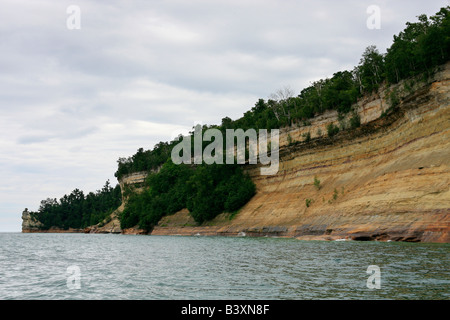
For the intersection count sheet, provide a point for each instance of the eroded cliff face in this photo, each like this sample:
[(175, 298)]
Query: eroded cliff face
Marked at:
[(112, 223), (109, 225), (387, 180)]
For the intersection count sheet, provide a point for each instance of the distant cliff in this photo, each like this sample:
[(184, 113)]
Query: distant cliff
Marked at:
[(31, 225)]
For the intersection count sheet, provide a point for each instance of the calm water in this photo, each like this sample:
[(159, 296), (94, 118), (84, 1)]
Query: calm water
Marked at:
[(51, 266)]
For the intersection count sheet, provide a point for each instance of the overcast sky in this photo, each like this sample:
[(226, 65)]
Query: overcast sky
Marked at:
[(73, 101)]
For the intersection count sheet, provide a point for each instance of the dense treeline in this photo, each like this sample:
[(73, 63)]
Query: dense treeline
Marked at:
[(77, 210), (418, 49), (205, 190), (145, 160)]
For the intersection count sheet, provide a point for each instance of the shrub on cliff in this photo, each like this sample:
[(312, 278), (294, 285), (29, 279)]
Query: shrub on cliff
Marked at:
[(317, 183), (355, 120), (307, 136), (332, 130)]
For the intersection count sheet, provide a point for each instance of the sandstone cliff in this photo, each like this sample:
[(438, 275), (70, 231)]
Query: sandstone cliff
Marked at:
[(387, 180)]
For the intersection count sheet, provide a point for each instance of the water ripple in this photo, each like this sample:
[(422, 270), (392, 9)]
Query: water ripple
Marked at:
[(34, 266)]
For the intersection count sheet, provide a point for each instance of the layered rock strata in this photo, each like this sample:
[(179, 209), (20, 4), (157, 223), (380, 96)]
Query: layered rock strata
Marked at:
[(387, 180)]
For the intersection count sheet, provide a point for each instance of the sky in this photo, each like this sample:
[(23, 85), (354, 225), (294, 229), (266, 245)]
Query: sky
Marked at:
[(81, 87)]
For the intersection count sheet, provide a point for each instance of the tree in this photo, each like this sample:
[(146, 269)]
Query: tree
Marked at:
[(279, 103), (420, 47), (371, 69)]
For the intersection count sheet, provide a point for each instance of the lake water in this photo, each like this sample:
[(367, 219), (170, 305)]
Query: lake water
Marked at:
[(104, 266)]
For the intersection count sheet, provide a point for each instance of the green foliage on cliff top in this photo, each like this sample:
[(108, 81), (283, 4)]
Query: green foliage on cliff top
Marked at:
[(77, 210)]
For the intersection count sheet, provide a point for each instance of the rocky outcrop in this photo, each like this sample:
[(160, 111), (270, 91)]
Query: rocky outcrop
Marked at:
[(387, 180), (133, 179), (109, 225), (29, 224)]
